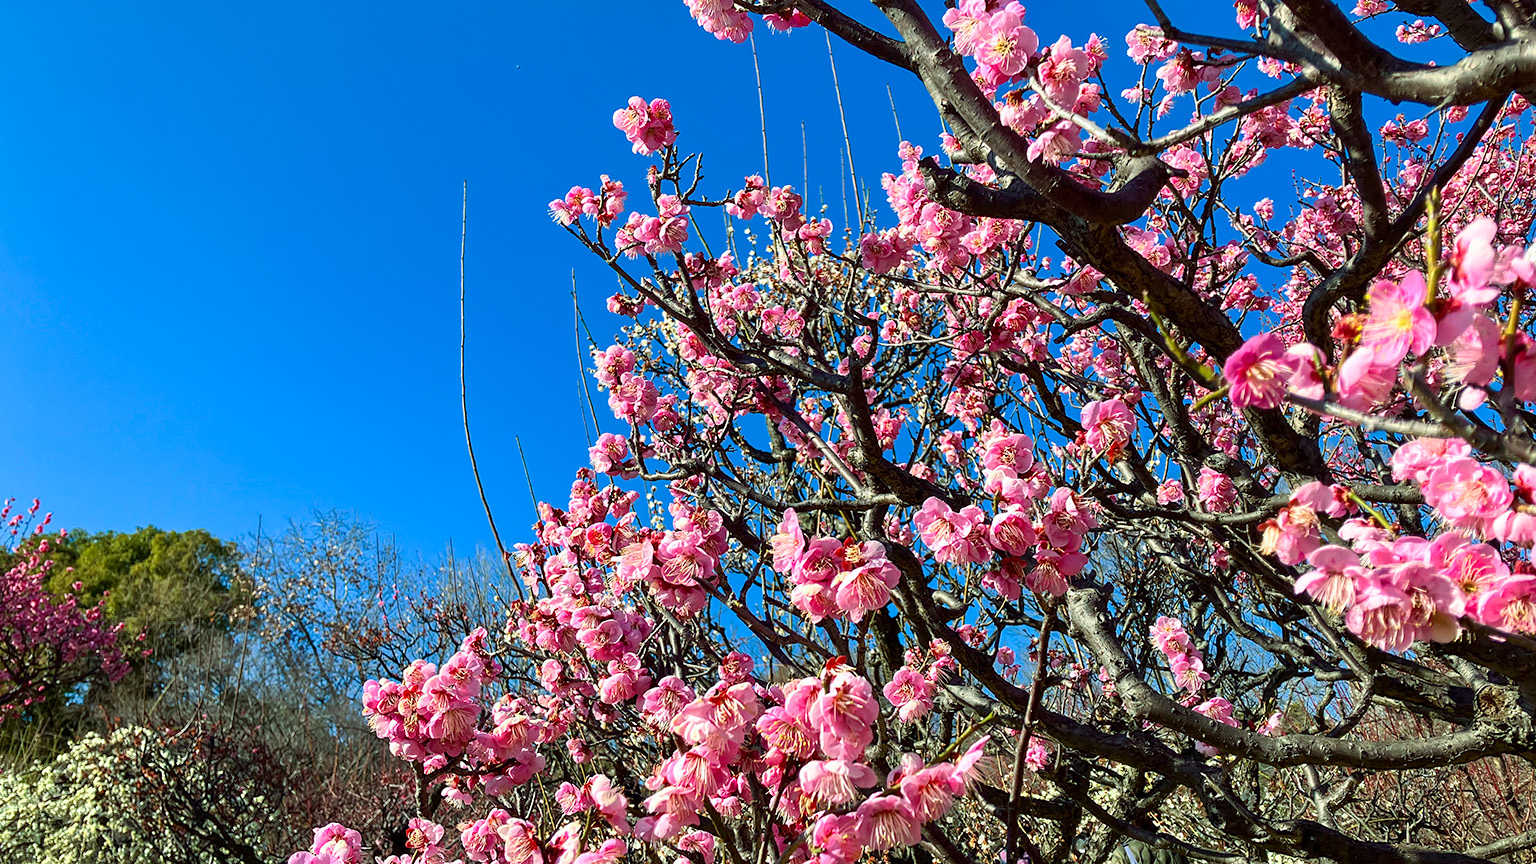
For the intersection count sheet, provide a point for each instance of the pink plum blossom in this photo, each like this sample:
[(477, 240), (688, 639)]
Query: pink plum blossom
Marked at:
[(1467, 493), (1215, 490), (1107, 426), (1336, 570), (910, 693), (1004, 43), (1399, 321), (955, 536), (1258, 372)]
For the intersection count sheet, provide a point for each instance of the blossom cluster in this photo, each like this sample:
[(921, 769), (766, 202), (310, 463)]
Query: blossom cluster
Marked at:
[(1006, 51), (603, 206), (1397, 590), (1405, 317), (432, 716), (647, 125), (1188, 667), (816, 732), (1016, 550), (911, 689), (810, 736), (831, 577), (721, 19), (806, 740)]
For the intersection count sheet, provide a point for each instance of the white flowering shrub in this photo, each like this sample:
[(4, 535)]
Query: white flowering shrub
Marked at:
[(77, 807), (192, 795)]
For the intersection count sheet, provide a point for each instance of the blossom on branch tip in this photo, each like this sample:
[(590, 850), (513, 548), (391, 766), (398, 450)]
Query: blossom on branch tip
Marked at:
[(648, 126)]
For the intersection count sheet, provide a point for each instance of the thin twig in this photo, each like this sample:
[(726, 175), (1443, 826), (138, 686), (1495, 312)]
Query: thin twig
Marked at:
[(762, 114), (534, 496), (581, 367), (847, 142), (464, 394), (1036, 688)]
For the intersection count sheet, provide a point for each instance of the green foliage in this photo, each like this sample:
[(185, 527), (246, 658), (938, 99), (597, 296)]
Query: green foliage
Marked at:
[(172, 585)]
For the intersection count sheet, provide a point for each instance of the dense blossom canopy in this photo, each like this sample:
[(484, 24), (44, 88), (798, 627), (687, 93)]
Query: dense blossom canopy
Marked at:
[(1078, 498)]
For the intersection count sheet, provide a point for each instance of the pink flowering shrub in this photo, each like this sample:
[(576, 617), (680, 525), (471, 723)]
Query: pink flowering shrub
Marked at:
[(1065, 477), (48, 644)]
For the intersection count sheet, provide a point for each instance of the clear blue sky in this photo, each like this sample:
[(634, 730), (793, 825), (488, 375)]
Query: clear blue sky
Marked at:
[(229, 240)]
